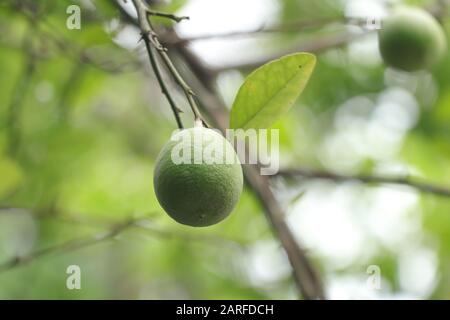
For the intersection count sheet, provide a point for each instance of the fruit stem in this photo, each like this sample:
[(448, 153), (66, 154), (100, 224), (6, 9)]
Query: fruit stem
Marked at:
[(199, 123)]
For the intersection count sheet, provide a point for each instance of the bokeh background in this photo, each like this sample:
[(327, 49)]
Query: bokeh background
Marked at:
[(82, 120)]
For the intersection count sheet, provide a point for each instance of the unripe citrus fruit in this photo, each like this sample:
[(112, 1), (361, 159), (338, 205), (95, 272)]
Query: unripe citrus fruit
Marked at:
[(198, 177), (411, 39)]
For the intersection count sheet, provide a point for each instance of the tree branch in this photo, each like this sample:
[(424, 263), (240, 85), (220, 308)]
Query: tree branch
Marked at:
[(167, 15), (296, 26), (316, 46), (65, 247), (405, 181), (176, 111), (151, 39), (141, 225), (306, 277), (208, 74)]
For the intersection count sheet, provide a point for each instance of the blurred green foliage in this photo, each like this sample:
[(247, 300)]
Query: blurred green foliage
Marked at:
[(81, 126)]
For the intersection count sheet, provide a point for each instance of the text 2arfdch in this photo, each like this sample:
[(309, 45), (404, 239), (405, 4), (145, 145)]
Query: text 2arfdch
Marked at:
[(243, 309)]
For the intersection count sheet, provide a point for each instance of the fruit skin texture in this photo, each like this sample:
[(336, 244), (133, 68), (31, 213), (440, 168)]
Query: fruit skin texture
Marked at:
[(411, 39), (202, 194)]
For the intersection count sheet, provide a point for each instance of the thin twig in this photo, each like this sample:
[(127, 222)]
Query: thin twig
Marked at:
[(176, 111), (317, 45), (140, 224), (208, 73), (65, 247), (405, 181), (163, 14), (296, 26), (167, 15), (156, 69), (152, 38)]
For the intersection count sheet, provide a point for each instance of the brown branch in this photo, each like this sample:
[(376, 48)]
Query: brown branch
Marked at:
[(152, 40), (155, 66), (315, 46), (296, 26), (175, 110), (321, 44), (306, 277), (405, 181), (167, 15)]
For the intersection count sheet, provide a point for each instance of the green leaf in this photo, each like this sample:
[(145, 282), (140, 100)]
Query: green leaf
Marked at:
[(270, 91)]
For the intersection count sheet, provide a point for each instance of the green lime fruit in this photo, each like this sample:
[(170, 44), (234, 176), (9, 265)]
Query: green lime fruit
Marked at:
[(198, 177), (411, 39)]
